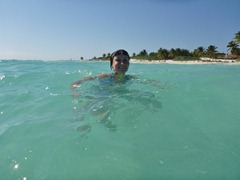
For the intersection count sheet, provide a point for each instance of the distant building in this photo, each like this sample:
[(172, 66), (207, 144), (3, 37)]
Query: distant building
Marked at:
[(231, 56)]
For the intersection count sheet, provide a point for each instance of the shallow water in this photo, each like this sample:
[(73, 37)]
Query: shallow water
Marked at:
[(170, 122)]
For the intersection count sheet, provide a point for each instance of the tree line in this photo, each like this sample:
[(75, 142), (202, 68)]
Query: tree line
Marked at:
[(185, 54)]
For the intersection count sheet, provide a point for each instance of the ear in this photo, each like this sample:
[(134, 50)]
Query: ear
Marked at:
[(111, 62)]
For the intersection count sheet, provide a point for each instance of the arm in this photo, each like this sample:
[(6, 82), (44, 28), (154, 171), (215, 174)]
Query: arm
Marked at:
[(76, 83)]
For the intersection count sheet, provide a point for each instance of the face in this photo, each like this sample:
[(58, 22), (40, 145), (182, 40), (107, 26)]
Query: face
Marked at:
[(120, 63)]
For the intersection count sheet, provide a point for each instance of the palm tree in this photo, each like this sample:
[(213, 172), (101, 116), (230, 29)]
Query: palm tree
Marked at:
[(199, 51), (178, 52), (233, 47), (211, 51), (143, 53), (152, 56), (172, 53), (237, 37), (185, 52), (162, 53)]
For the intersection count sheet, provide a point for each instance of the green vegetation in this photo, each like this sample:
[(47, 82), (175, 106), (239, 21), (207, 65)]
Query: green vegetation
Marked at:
[(186, 58), (179, 54), (233, 48), (237, 37)]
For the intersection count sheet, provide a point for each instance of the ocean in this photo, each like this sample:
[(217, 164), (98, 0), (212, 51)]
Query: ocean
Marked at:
[(172, 121)]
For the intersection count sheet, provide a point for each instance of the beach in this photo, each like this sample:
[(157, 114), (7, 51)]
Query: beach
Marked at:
[(203, 61)]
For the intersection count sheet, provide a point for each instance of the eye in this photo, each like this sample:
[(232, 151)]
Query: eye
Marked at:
[(125, 61), (118, 60)]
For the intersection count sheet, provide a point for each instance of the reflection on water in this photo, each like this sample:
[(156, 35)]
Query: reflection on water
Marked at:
[(108, 102), (182, 124)]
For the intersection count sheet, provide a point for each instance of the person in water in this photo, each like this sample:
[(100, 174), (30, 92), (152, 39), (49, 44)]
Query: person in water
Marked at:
[(119, 62), (104, 112)]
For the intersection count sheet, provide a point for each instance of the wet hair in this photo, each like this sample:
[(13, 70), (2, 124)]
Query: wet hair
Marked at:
[(116, 53)]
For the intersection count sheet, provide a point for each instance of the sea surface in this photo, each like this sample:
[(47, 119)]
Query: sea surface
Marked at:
[(168, 122)]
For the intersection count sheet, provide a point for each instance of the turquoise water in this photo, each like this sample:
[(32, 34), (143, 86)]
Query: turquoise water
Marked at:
[(171, 122)]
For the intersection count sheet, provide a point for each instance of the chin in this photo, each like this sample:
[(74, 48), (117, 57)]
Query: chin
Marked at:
[(122, 71)]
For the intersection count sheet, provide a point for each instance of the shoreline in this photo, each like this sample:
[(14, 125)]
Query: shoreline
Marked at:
[(208, 61), (143, 61)]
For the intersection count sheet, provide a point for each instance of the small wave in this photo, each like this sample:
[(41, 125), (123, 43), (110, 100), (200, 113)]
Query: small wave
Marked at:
[(2, 76), (3, 128), (54, 94)]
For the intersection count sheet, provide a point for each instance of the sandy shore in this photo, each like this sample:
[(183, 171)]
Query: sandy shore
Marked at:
[(211, 61)]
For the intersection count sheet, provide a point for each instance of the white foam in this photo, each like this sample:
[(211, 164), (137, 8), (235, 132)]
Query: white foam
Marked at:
[(2, 76)]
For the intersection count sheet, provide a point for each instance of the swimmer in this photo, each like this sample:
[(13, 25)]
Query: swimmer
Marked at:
[(119, 62), (102, 104)]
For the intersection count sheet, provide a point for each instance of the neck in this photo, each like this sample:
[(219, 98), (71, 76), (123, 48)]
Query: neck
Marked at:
[(119, 76)]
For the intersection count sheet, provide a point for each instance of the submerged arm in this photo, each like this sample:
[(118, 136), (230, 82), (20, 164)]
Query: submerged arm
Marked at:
[(76, 83)]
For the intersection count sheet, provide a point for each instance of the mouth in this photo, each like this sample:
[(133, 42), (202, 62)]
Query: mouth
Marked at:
[(122, 68)]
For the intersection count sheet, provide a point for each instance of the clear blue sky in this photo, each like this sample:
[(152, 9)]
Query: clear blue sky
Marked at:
[(70, 29)]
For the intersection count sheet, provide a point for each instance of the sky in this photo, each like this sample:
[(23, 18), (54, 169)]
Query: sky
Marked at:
[(70, 29)]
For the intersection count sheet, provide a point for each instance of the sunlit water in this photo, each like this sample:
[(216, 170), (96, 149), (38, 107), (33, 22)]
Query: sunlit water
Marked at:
[(170, 122)]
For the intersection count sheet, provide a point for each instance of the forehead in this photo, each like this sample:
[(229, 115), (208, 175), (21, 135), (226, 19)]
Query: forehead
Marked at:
[(122, 56)]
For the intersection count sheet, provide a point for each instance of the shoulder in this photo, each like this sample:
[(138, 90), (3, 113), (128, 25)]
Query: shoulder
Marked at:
[(103, 75)]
